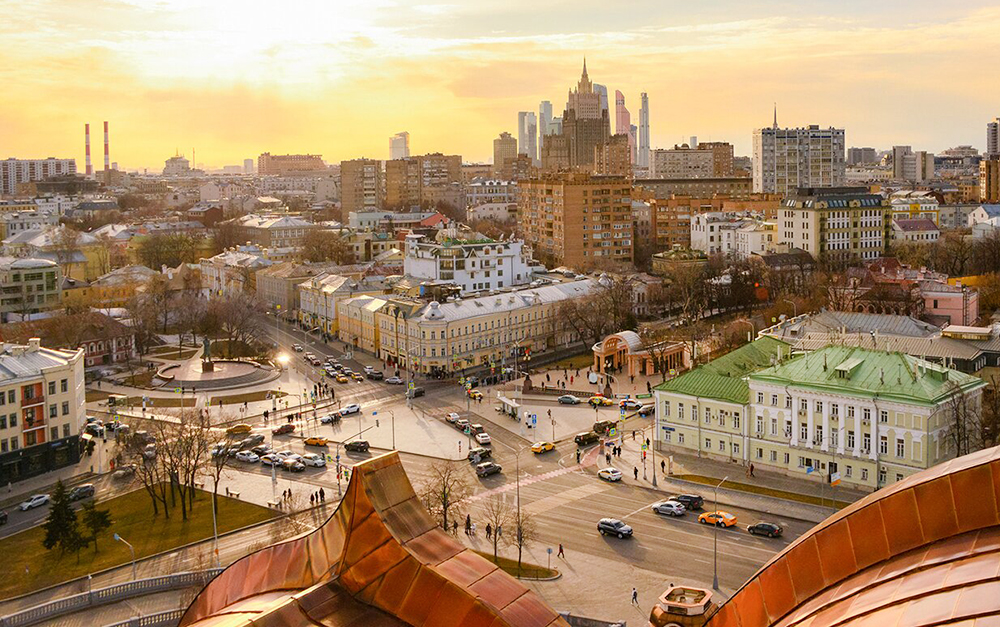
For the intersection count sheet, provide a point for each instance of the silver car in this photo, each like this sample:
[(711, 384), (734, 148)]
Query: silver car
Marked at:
[(669, 508)]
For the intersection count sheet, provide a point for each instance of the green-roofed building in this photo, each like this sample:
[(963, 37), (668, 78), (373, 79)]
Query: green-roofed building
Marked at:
[(709, 404)]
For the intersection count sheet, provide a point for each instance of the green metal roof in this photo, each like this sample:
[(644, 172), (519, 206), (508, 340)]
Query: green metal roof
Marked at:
[(723, 378), (869, 373)]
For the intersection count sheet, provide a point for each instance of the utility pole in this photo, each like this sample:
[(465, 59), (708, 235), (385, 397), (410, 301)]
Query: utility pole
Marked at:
[(715, 540)]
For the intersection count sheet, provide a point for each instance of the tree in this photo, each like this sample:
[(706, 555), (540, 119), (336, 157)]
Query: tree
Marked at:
[(659, 341), (95, 520), (449, 484), (61, 527), (320, 245), (498, 513), (67, 245), (167, 249), (227, 235), (525, 533), (239, 319)]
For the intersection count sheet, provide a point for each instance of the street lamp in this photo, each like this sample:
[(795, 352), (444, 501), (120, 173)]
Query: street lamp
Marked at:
[(130, 548), (715, 541), (795, 308), (752, 326)]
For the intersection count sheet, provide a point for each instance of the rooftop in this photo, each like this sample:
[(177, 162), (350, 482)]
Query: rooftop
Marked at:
[(723, 378)]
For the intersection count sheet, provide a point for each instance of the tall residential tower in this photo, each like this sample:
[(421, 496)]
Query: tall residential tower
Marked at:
[(642, 149), (399, 146), (527, 135)]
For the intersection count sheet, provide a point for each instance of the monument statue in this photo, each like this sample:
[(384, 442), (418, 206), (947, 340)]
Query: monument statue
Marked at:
[(207, 346)]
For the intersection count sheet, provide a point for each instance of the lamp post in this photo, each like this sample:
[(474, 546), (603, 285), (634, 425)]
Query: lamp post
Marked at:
[(752, 326), (715, 540), (130, 548), (795, 308)]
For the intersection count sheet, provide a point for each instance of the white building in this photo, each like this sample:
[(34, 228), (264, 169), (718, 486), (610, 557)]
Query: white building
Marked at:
[(14, 222), (58, 205), (372, 220), (232, 271), (755, 238), (682, 162), (714, 232), (915, 230), (482, 191), (320, 295), (399, 146), (494, 211), (176, 166), (788, 158), (474, 265), (14, 171)]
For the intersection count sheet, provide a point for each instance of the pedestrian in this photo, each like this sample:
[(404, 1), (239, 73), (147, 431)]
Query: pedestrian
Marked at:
[(633, 435), (312, 498), (647, 442), (560, 553), (489, 530), (649, 387), (578, 456), (468, 523), (454, 528), (751, 469), (635, 597), (547, 378), (631, 378), (635, 471), (663, 466), (607, 458), (499, 531), (322, 495)]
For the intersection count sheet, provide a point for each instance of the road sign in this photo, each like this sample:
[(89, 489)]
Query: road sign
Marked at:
[(612, 432), (644, 396), (835, 478), (668, 429), (549, 550), (534, 419), (644, 447)]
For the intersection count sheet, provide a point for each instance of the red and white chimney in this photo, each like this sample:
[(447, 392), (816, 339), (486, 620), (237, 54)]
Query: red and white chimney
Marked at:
[(90, 168), (107, 154)]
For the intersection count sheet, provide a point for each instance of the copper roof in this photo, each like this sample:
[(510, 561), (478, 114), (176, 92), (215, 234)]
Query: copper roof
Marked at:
[(924, 551), (378, 561)]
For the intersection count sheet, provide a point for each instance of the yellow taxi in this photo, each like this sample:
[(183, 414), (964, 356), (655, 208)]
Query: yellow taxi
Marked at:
[(342, 378), (603, 401), (720, 518), (357, 377), (542, 447), (475, 395), (238, 429), (316, 441)]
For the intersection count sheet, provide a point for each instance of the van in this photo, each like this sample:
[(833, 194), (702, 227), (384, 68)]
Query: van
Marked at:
[(415, 392), (585, 438)]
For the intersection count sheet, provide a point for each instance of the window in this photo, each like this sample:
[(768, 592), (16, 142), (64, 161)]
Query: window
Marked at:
[(866, 442), (834, 438), (708, 443), (864, 474), (883, 416), (834, 409), (819, 435), (774, 456), (881, 476), (760, 424), (666, 409), (883, 445), (850, 439), (13, 420), (736, 420), (736, 448), (849, 471), (803, 405), (666, 436), (65, 408), (787, 458), (66, 430), (819, 407), (788, 402), (866, 414), (760, 398), (680, 411), (14, 444), (900, 448), (64, 386), (53, 411), (774, 426), (3, 446), (30, 438), (760, 453), (850, 411), (899, 476), (722, 445), (11, 396), (680, 438), (3, 421), (53, 433), (774, 399), (52, 387), (708, 415), (803, 432)]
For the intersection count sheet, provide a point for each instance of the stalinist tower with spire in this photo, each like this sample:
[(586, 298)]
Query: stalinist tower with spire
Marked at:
[(584, 100)]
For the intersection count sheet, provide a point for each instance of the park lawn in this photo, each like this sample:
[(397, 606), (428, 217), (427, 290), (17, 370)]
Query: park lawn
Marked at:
[(528, 571), (822, 500), (570, 363), (132, 516), (169, 351), (165, 401), (249, 397), (97, 395)]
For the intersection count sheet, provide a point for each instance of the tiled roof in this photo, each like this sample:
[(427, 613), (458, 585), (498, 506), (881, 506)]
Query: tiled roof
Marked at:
[(910, 225), (723, 378)]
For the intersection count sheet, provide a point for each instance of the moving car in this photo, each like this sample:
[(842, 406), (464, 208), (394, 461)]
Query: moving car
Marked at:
[(475, 395), (647, 410), (308, 356), (542, 447), (614, 527), (34, 501), (479, 453), (357, 446), (585, 438), (486, 469), (769, 529), (668, 508), (270, 459), (610, 474), (375, 375), (315, 441), (719, 518), (347, 410), (341, 378), (247, 456), (252, 440), (602, 426), (357, 377), (600, 401), (415, 392), (462, 424), (81, 492), (239, 429), (476, 428), (330, 419), (568, 399), (314, 460), (297, 348), (629, 403), (689, 501), (452, 417), (261, 450), (472, 381), (483, 438), (292, 465), (122, 472), (283, 429), (150, 451), (394, 381)]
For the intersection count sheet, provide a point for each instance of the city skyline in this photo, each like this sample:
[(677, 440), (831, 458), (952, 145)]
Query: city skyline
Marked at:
[(233, 81)]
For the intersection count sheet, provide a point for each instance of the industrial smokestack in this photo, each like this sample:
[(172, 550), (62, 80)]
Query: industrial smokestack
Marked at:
[(107, 154), (90, 168)]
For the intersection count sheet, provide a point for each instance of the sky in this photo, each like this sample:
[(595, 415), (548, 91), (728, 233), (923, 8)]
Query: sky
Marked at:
[(230, 79)]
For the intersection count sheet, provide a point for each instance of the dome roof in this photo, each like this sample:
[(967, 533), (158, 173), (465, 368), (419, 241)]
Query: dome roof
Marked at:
[(32, 264)]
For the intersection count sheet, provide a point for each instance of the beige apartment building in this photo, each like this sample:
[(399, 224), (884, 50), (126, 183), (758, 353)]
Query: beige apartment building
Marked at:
[(577, 219), (836, 224), (504, 151), (284, 165), (362, 185), (989, 180)]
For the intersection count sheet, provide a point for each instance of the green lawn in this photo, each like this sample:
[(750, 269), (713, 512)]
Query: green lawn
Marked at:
[(249, 397), (825, 501), (132, 514), (528, 571), (582, 362)]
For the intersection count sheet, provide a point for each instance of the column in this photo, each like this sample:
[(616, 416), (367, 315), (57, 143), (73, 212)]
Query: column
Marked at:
[(810, 429), (857, 430), (794, 424), (827, 434)]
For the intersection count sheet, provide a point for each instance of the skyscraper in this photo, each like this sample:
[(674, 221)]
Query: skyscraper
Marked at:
[(623, 122), (544, 119), (585, 124), (504, 150), (248, 166), (527, 135), (642, 150), (785, 159), (399, 146), (993, 137), (602, 94), (584, 100)]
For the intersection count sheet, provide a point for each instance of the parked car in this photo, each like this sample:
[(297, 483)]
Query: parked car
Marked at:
[(143, 436), (479, 453), (357, 446), (313, 459), (610, 474), (261, 450), (251, 441), (483, 438), (3, 517), (285, 454), (669, 508), (602, 426), (462, 424), (270, 459), (283, 429), (585, 438), (542, 447), (452, 417), (292, 465), (150, 451), (368, 369), (647, 410), (689, 501), (629, 404), (81, 492), (248, 456), (121, 472), (330, 419), (769, 529), (315, 441), (394, 381), (34, 501), (475, 395), (239, 429), (719, 518), (347, 410), (486, 469), (375, 375), (94, 429), (477, 428), (569, 399), (415, 392), (614, 527), (600, 401), (297, 348)]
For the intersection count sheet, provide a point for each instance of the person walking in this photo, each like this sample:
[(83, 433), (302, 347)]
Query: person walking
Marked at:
[(635, 597), (578, 456), (468, 523), (751, 469), (489, 530), (454, 528), (663, 467), (561, 553), (635, 471)]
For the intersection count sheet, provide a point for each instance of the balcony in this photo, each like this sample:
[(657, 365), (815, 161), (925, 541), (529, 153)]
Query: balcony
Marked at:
[(32, 402)]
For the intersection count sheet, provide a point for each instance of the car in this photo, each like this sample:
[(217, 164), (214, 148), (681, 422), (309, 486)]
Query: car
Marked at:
[(315, 441), (239, 429), (330, 419), (771, 530), (689, 501), (476, 428), (283, 429), (600, 401), (614, 527), (297, 348), (483, 438), (34, 501), (336, 365), (143, 436), (81, 492), (261, 449), (248, 456), (415, 392), (629, 403), (479, 453), (610, 474), (121, 472), (357, 446), (462, 424), (316, 361), (368, 369), (347, 410), (308, 356), (292, 465), (718, 518), (647, 410), (452, 417), (3, 517), (271, 459), (330, 372), (341, 378), (475, 395), (542, 447), (284, 454), (394, 381), (314, 460), (375, 375), (150, 451), (603, 426), (668, 508), (585, 438), (252, 440), (569, 399), (486, 469), (357, 377)]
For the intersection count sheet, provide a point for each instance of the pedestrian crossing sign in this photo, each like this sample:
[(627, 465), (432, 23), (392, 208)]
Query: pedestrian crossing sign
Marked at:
[(612, 432)]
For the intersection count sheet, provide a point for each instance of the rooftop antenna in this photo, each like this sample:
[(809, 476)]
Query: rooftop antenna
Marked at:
[(775, 115)]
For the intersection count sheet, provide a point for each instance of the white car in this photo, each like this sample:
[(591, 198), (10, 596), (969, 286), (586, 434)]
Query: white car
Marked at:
[(353, 408), (629, 403), (285, 454), (453, 417), (35, 501), (483, 438), (297, 348), (312, 459), (669, 508), (610, 474), (271, 459), (329, 419), (247, 456)]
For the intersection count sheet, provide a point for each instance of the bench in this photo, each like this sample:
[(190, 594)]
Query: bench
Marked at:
[(274, 504), (200, 485), (234, 495)]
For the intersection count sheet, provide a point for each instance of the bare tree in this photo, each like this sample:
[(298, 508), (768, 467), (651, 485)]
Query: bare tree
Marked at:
[(525, 533), (660, 342), (964, 413), (326, 245), (449, 484), (498, 513), (239, 319), (67, 245)]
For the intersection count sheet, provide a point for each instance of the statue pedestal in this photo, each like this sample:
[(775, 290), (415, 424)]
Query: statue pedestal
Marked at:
[(207, 366)]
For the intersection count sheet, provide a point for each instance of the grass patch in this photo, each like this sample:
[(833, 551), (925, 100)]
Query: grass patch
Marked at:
[(530, 571), (96, 395), (757, 489), (571, 363), (249, 397), (170, 351), (142, 379), (132, 514)]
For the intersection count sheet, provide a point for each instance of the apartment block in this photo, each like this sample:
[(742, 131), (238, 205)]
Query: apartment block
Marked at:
[(837, 225), (362, 185), (785, 159), (14, 172)]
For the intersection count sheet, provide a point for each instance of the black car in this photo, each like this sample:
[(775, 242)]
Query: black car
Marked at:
[(585, 438), (479, 453), (771, 530), (3, 518), (261, 450), (614, 527), (252, 440), (415, 392), (602, 426), (375, 375), (486, 469), (689, 501), (357, 446), (81, 492)]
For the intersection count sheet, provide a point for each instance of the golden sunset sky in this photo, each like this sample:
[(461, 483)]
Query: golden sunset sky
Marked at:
[(232, 79)]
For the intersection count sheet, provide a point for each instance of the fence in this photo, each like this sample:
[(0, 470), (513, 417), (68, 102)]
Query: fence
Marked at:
[(161, 619), (104, 596), (580, 621)]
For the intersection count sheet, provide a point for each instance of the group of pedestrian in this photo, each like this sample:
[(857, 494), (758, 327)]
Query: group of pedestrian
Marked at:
[(616, 451), (317, 497), (286, 495)]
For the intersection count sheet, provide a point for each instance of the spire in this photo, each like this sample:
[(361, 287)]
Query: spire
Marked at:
[(584, 86), (775, 115)]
